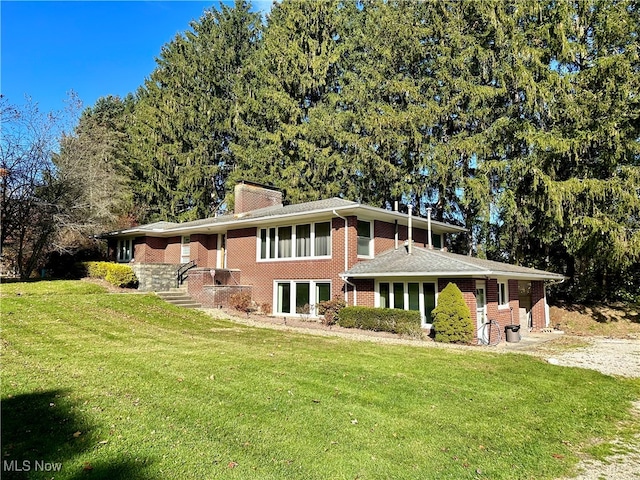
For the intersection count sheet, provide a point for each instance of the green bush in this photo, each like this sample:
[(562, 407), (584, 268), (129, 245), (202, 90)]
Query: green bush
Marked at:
[(452, 317), (115, 273), (330, 310), (405, 322)]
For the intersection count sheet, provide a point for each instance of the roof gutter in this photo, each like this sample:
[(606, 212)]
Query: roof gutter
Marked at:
[(346, 261)]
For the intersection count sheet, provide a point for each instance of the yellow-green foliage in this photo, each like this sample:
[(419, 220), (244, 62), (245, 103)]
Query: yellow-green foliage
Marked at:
[(96, 269), (452, 317), (114, 273)]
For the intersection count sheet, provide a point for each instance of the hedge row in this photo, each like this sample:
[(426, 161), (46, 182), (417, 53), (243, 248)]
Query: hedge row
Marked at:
[(114, 273), (404, 322)]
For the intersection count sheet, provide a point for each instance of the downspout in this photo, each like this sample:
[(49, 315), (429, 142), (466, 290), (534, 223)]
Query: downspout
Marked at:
[(410, 230), (429, 228), (346, 262), (547, 316), (395, 209), (396, 235)]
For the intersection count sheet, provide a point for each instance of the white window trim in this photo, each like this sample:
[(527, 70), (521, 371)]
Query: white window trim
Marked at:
[(503, 303), (405, 295), (371, 237), (185, 248), (129, 257), (294, 244), (292, 301)]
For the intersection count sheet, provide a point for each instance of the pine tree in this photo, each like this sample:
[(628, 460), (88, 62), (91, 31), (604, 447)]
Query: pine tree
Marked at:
[(285, 113), (186, 115)]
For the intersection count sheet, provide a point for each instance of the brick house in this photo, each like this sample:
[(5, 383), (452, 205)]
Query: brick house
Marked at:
[(292, 257)]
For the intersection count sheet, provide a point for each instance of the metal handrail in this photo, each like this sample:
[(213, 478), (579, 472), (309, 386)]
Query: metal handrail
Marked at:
[(181, 273)]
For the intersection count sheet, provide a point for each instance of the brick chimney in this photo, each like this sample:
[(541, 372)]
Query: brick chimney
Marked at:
[(252, 196)]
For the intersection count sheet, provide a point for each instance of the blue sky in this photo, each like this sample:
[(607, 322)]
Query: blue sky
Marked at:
[(93, 48)]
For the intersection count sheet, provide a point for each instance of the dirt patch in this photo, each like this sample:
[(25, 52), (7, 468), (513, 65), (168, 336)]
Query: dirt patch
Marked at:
[(613, 321), (110, 288)]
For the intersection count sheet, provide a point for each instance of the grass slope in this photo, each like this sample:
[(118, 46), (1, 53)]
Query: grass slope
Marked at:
[(126, 386)]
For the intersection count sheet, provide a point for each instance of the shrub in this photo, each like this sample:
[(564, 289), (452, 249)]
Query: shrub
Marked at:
[(241, 301), (330, 310), (96, 269), (114, 273), (452, 317), (265, 308), (405, 322), (120, 275)]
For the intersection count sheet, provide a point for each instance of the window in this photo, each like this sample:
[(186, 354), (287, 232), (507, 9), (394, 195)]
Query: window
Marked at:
[(415, 296), (364, 238), (503, 294), (323, 292), (303, 297), (436, 240), (185, 249), (283, 303), (384, 295), (285, 249), (303, 240), (398, 295), (429, 300), (124, 250), (323, 239), (300, 297), (299, 241)]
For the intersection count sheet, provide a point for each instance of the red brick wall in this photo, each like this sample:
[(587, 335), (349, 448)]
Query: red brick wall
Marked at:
[(251, 197), (365, 292), (502, 314), (172, 250), (203, 250), (150, 249), (385, 236), (538, 305)]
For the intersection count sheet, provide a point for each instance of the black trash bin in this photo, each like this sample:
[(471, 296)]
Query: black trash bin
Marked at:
[(512, 333)]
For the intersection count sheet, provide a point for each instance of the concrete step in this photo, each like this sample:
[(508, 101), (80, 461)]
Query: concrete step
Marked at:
[(179, 298), (172, 295)]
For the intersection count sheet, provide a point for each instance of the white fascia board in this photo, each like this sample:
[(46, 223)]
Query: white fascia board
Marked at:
[(243, 222), (441, 227), (528, 276), (479, 273), (417, 274), (214, 227)]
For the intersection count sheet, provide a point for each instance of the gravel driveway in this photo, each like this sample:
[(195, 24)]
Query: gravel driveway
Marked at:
[(611, 357)]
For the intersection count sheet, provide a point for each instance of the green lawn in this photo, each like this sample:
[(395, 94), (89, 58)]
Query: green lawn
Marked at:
[(126, 386)]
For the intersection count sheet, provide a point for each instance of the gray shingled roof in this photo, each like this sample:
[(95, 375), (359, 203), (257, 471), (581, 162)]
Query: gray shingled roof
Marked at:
[(318, 206), (266, 212), (425, 262)]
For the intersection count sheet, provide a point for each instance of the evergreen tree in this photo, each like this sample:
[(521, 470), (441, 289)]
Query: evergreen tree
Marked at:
[(569, 180), (285, 114), (186, 115)]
